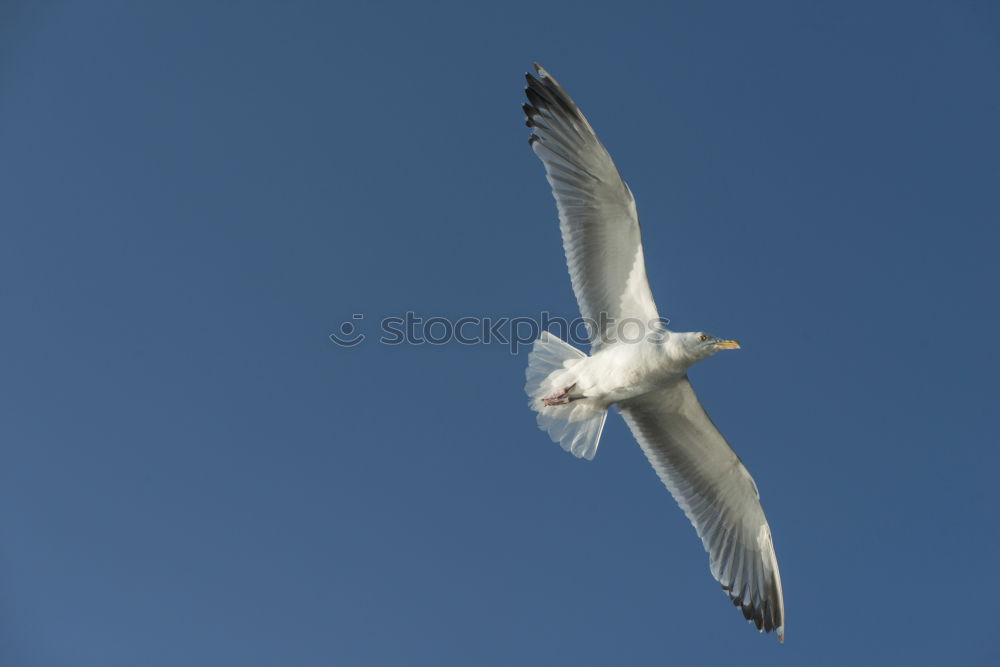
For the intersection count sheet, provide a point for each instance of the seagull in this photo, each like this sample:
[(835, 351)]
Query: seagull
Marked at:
[(636, 363)]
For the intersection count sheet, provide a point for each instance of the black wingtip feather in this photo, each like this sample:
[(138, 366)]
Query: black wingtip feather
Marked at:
[(539, 97), (529, 114), (763, 616), (553, 94)]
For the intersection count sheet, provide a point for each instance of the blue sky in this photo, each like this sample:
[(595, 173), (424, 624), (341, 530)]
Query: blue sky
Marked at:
[(194, 197)]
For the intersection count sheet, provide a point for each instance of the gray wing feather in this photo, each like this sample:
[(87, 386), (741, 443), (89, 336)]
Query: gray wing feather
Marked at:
[(713, 487), (597, 215)]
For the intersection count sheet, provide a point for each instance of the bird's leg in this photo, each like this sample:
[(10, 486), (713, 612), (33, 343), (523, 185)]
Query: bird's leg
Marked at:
[(561, 397)]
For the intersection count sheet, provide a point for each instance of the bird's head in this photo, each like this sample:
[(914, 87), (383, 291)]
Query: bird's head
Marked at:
[(700, 345)]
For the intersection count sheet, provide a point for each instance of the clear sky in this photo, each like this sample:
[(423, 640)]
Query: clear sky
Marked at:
[(194, 196)]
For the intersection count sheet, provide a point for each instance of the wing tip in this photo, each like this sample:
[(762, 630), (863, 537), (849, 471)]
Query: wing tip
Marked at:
[(761, 614), (545, 92)]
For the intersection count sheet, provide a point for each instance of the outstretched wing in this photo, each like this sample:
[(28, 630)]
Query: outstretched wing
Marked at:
[(712, 486), (597, 216)]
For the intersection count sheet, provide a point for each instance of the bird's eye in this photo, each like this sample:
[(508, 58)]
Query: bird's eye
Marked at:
[(704, 337)]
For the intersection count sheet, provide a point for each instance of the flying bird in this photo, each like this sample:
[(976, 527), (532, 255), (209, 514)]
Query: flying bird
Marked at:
[(636, 363)]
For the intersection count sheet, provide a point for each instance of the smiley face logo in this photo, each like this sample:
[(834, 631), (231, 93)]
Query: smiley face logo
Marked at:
[(348, 334)]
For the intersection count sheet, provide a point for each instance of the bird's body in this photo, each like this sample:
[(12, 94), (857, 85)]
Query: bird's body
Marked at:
[(636, 363), (619, 372)]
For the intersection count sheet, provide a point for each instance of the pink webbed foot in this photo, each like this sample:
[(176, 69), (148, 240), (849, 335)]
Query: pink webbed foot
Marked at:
[(561, 397)]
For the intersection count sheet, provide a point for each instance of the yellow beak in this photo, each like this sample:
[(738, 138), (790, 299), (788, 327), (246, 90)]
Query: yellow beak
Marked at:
[(727, 344)]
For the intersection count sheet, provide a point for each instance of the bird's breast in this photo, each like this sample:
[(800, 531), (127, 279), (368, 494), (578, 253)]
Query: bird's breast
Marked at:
[(625, 371)]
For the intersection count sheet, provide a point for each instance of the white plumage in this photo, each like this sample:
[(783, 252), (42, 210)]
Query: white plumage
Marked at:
[(636, 363)]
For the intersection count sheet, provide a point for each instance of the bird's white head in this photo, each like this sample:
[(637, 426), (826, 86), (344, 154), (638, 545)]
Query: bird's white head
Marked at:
[(698, 345)]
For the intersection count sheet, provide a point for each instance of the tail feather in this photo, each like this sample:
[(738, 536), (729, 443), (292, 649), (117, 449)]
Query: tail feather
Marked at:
[(577, 425)]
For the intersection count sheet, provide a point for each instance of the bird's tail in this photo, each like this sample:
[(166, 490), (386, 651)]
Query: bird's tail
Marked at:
[(576, 425)]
